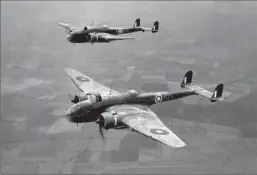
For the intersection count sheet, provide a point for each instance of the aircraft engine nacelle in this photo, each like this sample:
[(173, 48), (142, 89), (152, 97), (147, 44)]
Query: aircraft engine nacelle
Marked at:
[(79, 97), (93, 37), (108, 120)]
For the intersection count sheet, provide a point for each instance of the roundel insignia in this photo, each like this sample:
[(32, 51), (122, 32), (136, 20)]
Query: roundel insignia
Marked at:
[(158, 98), (159, 131), (120, 31), (82, 78)]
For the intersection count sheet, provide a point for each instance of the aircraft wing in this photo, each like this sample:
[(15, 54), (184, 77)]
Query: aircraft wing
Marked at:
[(68, 27), (114, 38), (87, 84), (143, 120)]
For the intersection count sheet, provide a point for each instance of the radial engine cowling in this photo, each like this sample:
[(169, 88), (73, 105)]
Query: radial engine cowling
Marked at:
[(79, 97), (108, 120), (93, 37)]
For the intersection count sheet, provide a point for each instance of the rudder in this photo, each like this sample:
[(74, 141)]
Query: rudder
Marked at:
[(137, 23), (218, 91), (187, 79), (155, 27)]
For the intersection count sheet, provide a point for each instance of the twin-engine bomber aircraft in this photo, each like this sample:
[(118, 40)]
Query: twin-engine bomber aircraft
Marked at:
[(113, 110), (103, 33)]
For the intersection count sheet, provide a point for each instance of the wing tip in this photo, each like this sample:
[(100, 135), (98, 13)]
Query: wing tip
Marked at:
[(177, 144), (181, 144), (68, 70), (61, 23)]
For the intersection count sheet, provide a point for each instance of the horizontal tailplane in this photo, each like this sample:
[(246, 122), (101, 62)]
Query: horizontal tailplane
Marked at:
[(214, 97)]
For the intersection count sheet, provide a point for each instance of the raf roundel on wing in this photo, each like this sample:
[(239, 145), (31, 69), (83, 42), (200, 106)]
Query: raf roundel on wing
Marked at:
[(159, 131), (82, 78)]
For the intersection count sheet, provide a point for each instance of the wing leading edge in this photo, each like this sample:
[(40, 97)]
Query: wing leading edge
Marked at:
[(87, 84), (68, 27), (109, 37), (143, 120)]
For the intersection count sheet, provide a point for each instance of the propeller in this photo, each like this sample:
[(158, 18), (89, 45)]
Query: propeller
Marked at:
[(100, 121), (101, 132)]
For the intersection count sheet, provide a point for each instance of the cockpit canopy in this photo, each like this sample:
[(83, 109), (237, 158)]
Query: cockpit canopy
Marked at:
[(105, 26), (133, 92), (87, 27), (96, 97)]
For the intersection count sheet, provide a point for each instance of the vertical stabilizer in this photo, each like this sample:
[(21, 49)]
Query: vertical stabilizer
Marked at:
[(155, 27), (217, 94), (137, 23), (187, 80)]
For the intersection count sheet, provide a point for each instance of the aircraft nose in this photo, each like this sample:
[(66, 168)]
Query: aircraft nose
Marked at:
[(68, 114), (68, 118), (69, 38)]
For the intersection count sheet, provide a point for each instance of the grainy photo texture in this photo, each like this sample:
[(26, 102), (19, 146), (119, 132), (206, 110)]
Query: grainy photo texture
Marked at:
[(128, 87)]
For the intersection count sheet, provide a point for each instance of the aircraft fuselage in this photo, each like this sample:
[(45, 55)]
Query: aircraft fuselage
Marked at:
[(81, 37), (89, 110), (112, 31)]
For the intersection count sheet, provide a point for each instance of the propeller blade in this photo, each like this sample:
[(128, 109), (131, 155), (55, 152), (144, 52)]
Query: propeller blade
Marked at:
[(100, 127), (98, 121), (101, 131)]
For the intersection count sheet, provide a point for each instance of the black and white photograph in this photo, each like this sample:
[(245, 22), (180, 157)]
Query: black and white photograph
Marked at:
[(128, 87)]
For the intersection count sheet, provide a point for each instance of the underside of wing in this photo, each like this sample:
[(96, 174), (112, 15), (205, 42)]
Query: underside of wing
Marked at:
[(143, 120), (114, 38), (87, 84)]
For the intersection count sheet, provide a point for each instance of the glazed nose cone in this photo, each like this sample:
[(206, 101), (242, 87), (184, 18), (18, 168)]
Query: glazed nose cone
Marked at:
[(69, 112)]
